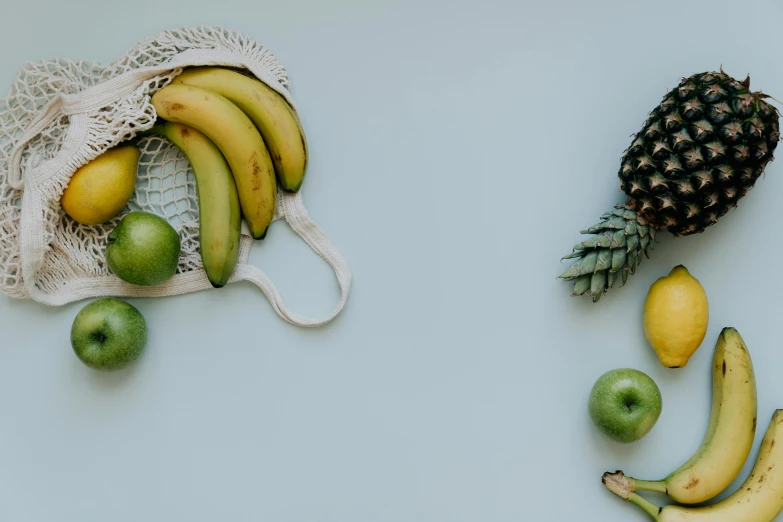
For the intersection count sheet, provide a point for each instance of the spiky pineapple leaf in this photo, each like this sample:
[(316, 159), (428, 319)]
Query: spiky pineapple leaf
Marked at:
[(589, 261), (618, 239), (618, 259), (618, 242), (598, 285), (582, 284), (604, 262)]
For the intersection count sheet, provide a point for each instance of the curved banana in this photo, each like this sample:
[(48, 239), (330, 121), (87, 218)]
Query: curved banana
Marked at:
[(237, 138), (730, 432), (759, 499), (272, 115), (218, 203)]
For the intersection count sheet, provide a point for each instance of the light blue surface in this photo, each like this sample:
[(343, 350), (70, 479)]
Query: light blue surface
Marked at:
[(457, 150)]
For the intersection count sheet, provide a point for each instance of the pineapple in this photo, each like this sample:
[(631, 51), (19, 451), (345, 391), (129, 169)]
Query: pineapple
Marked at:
[(699, 152)]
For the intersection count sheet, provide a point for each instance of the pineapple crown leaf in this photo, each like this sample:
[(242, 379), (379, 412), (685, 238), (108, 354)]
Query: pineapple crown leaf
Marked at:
[(576, 253), (611, 255)]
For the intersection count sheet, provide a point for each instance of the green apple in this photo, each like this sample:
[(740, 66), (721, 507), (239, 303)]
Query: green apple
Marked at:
[(625, 404), (108, 334), (143, 249)]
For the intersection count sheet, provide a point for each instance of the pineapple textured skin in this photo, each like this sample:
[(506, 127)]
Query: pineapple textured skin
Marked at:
[(699, 152)]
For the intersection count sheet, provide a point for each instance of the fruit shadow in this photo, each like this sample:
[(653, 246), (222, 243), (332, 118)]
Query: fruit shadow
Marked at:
[(106, 381), (620, 453)]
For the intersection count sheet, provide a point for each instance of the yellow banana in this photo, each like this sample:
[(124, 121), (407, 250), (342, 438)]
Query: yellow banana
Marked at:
[(759, 499), (237, 138), (272, 115), (730, 432), (218, 202)]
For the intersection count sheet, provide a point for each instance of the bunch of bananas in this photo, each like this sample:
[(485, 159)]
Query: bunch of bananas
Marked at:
[(242, 138), (722, 454)]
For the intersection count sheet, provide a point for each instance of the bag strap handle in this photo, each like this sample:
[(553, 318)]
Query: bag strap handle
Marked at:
[(297, 217)]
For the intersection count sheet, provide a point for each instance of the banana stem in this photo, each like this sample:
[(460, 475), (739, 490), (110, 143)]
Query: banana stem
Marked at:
[(646, 506), (623, 487), (648, 485)]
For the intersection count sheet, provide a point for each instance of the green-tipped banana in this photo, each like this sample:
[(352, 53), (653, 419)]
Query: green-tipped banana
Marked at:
[(759, 499), (237, 138), (272, 115), (218, 201), (730, 432)]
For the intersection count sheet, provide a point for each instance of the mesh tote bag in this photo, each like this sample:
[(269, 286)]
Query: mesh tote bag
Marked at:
[(60, 114)]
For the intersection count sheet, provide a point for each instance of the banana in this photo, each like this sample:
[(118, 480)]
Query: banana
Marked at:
[(237, 138), (219, 214), (759, 498), (729, 437), (272, 115)]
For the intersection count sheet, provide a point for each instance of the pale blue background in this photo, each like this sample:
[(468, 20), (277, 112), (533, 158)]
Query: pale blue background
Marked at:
[(457, 149)]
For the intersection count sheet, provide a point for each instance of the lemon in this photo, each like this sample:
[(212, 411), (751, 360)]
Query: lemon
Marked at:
[(100, 189), (676, 313)]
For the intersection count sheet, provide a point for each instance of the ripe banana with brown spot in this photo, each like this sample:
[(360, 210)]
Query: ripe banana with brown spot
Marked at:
[(729, 437), (218, 202), (270, 112), (759, 499), (237, 138)]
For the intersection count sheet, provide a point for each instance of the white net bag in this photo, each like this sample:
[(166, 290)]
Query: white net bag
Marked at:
[(61, 114)]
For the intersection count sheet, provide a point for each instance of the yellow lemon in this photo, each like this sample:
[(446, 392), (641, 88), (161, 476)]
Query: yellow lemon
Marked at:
[(676, 314), (100, 189)]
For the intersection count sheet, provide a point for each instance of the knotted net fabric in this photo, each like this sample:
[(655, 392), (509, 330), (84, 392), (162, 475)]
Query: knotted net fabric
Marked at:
[(60, 114)]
